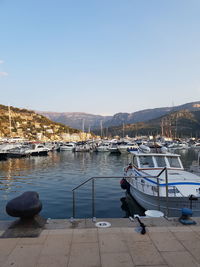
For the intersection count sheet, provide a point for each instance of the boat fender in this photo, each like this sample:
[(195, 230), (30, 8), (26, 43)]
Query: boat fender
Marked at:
[(144, 149), (124, 184)]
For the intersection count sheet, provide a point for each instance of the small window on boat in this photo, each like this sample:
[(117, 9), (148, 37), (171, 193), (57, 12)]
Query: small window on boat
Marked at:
[(160, 161), (146, 162), (135, 162), (174, 162), (173, 191)]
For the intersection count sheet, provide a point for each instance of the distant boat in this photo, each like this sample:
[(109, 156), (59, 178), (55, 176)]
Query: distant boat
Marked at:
[(18, 152), (67, 146), (38, 150), (83, 147), (195, 167), (127, 147), (103, 147), (114, 148)]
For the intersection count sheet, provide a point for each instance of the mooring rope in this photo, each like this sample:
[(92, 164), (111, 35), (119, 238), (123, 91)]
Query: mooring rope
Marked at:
[(142, 225)]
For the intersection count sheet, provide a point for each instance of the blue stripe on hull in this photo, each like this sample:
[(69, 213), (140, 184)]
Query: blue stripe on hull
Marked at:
[(178, 183)]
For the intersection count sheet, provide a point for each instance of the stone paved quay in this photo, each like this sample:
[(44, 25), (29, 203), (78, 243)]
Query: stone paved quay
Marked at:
[(81, 244)]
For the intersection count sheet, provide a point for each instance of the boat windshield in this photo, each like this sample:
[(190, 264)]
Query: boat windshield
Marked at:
[(146, 162), (173, 162), (160, 161)]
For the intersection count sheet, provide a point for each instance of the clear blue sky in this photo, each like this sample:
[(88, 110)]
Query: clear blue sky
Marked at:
[(99, 56)]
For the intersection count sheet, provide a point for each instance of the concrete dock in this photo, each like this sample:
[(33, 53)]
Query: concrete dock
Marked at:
[(81, 244)]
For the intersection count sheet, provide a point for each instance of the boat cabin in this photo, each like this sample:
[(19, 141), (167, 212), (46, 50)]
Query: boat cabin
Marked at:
[(156, 161)]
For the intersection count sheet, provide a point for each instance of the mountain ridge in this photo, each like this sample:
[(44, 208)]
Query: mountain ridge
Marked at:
[(181, 123), (77, 119)]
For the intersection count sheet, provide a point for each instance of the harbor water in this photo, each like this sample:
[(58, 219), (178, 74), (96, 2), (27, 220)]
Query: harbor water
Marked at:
[(54, 176)]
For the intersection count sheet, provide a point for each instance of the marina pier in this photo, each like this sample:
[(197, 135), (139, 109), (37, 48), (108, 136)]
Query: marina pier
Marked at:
[(65, 244)]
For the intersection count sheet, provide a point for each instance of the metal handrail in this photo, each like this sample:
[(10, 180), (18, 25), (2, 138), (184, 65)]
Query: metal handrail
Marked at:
[(115, 177), (93, 192)]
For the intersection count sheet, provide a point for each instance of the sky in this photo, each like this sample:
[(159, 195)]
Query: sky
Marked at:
[(99, 56)]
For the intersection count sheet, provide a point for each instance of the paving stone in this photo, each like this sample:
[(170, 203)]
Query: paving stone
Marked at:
[(179, 259), (85, 235), (112, 243), (180, 229), (7, 245), (145, 253), (32, 241), (60, 231), (105, 231), (44, 232), (57, 245), (53, 260), (84, 255), (120, 259), (157, 229), (187, 236), (53, 224), (151, 265), (131, 235), (166, 241), (195, 228), (23, 256), (193, 246)]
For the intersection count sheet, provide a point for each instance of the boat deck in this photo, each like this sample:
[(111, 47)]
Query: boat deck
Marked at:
[(62, 243)]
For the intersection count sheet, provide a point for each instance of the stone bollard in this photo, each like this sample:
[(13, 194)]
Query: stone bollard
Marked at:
[(185, 217), (26, 205)]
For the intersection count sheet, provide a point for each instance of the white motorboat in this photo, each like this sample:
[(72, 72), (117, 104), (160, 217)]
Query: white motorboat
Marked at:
[(195, 167), (83, 147), (127, 147), (67, 146), (113, 148), (38, 150), (19, 152), (158, 181), (103, 147)]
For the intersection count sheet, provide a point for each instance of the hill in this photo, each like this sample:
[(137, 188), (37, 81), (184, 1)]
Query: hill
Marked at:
[(182, 123), (28, 124), (77, 119)]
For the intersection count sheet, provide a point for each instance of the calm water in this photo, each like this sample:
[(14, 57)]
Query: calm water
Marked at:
[(54, 177)]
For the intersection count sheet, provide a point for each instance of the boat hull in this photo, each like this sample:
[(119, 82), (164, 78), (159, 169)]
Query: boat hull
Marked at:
[(3, 156), (175, 204), (40, 153)]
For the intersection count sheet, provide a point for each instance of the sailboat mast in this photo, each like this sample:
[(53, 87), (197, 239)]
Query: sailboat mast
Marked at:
[(9, 115), (83, 126), (101, 124)]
